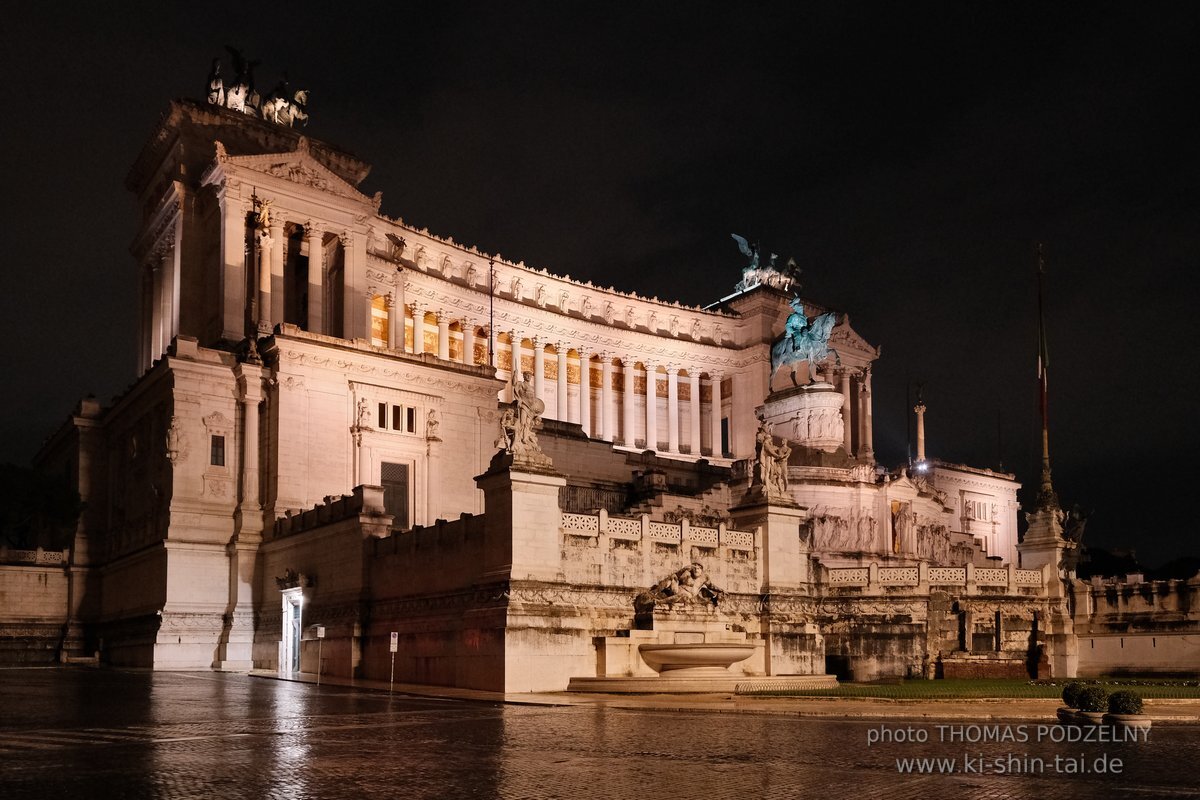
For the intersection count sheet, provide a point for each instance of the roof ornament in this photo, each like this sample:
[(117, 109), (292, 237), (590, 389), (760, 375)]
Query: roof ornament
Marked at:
[(282, 107), (754, 274)]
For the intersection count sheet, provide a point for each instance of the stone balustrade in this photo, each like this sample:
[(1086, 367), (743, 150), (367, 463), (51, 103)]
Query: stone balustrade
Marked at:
[(923, 577), (38, 557), (641, 528)]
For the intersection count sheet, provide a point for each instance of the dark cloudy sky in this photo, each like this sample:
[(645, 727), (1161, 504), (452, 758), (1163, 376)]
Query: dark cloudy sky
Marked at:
[(907, 155)]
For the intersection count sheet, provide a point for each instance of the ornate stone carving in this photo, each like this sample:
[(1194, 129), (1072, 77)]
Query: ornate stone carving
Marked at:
[(516, 287), (432, 425), (176, 443), (540, 295), (610, 313), (673, 326), (689, 586)]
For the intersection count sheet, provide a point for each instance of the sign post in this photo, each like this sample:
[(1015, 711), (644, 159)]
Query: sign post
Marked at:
[(393, 646), (320, 641)]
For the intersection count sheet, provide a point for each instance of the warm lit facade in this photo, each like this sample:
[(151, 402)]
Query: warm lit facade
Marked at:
[(310, 440)]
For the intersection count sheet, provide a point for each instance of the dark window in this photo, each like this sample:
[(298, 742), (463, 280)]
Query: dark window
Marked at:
[(397, 419), (216, 455), (394, 478), (383, 415), (412, 420)]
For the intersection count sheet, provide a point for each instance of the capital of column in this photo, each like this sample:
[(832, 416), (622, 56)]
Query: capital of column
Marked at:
[(312, 230)]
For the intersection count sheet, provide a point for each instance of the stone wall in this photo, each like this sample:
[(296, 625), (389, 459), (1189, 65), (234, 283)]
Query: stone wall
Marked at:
[(36, 603), (1137, 627)]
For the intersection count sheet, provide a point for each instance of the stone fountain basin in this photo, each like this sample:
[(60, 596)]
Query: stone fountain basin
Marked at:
[(681, 660)]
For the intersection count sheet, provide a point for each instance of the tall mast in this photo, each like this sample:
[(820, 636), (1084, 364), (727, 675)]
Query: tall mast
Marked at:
[(1046, 497)]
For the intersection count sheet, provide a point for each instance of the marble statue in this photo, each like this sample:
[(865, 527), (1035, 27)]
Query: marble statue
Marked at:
[(216, 85), (688, 586), (518, 422), (804, 341), (771, 460), (431, 425)]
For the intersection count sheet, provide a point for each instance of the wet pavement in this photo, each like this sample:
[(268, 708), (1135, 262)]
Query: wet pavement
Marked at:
[(86, 733)]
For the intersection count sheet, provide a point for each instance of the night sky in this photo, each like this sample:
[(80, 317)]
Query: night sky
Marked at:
[(907, 159)]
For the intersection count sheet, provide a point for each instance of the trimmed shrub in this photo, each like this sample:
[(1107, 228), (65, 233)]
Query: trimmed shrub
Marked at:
[(1124, 703), (1093, 698), (1071, 692)]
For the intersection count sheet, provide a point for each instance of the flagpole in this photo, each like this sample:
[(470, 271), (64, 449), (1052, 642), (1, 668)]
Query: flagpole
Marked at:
[(1046, 496)]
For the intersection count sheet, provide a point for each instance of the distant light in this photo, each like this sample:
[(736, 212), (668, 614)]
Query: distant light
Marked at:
[(922, 466)]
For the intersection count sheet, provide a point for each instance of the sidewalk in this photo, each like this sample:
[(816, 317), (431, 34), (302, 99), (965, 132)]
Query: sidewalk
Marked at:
[(866, 708)]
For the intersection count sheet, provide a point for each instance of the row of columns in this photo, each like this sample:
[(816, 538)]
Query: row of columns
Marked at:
[(605, 425), (160, 305), (863, 415)]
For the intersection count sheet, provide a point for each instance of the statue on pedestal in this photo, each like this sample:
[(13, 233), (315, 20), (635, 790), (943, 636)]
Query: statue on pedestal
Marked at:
[(771, 462), (804, 341), (519, 421)]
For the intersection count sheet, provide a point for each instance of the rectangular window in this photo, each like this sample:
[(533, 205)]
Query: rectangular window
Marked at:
[(383, 416), (412, 420), (397, 418), (216, 456), (394, 479)]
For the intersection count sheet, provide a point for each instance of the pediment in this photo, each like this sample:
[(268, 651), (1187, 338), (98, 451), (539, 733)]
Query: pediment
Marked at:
[(299, 167), (849, 339)]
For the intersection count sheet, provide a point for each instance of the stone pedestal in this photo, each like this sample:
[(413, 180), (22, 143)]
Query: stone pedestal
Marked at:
[(808, 415), (523, 519), (784, 552)]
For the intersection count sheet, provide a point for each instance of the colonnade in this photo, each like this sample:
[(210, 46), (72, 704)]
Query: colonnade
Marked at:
[(605, 398)]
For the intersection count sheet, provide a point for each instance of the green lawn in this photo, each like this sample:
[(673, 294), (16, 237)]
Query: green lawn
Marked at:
[(1000, 688)]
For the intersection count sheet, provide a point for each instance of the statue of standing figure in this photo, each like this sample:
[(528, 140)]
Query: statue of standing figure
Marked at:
[(519, 421), (772, 461)]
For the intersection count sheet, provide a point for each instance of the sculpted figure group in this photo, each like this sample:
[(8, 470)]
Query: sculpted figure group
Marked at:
[(518, 422), (282, 106), (772, 458), (688, 586)]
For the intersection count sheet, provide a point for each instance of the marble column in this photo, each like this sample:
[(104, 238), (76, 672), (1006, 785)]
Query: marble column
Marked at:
[(672, 409), (694, 408), (651, 406), (170, 295), (539, 369), (395, 321), (585, 392), (235, 303), (919, 408), (266, 250), (627, 404), (715, 417), (847, 429), (514, 364), (607, 417), (418, 313), (560, 410), (156, 310), (468, 349), (868, 449), (316, 280), (277, 262), (250, 399), (443, 323)]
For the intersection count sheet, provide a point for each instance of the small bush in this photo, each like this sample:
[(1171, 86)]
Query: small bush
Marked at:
[(1124, 703), (1070, 694), (1093, 698)]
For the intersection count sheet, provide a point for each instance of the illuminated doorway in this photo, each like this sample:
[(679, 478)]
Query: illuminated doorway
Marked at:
[(289, 657)]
